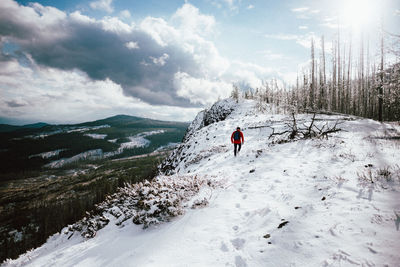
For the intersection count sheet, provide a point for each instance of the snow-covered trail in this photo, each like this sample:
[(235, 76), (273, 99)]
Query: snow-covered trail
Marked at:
[(334, 217)]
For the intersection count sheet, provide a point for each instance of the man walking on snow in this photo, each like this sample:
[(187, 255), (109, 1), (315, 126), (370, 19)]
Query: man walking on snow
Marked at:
[(237, 140)]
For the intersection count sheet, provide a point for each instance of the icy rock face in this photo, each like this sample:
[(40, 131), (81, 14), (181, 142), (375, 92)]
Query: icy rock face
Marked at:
[(218, 112), (195, 125)]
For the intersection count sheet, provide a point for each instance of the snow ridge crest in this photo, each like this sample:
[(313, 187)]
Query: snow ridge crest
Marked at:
[(219, 111)]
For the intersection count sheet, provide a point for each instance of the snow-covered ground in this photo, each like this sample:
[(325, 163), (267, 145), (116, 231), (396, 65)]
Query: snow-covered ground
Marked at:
[(312, 202), (49, 154), (87, 155), (96, 136), (68, 129)]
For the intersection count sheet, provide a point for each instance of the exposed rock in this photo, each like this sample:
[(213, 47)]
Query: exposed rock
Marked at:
[(194, 126), (283, 224), (218, 112)]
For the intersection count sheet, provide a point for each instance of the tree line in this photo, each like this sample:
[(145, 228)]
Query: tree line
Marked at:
[(350, 82)]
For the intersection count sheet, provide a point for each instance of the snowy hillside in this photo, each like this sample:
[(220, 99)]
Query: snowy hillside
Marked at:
[(308, 202)]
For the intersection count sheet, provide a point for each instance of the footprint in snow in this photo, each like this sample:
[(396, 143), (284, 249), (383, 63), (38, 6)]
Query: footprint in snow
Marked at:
[(237, 205), (240, 262), (238, 243), (244, 196), (372, 250), (223, 247)]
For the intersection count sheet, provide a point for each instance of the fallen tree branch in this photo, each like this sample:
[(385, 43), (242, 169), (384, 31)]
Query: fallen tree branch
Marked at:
[(309, 131)]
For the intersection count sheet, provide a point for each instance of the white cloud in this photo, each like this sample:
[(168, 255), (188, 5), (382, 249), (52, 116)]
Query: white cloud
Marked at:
[(330, 25), (159, 30), (189, 32), (125, 14), (57, 96), (192, 68), (190, 20), (303, 27), (250, 6), (132, 45), (330, 22), (113, 24), (302, 39), (268, 54), (104, 5), (227, 5), (82, 19), (45, 21), (304, 12), (282, 36), (249, 74), (300, 9), (200, 90), (160, 61)]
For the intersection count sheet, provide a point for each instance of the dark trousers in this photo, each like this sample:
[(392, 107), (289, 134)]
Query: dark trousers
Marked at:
[(235, 146)]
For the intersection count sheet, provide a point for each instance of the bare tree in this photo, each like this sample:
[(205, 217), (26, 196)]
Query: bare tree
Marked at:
[(348, 87), (380, 95), (322, 79), (339, 73), (312, 84), (333, 82)]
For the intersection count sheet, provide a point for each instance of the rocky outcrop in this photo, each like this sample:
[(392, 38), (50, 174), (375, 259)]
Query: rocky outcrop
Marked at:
[(218, 112), (195, 125)]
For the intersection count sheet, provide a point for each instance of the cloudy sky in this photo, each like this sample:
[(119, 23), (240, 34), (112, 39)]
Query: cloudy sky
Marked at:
[(72, 61)]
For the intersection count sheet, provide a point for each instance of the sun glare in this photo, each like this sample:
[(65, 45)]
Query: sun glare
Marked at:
[(360, 13)]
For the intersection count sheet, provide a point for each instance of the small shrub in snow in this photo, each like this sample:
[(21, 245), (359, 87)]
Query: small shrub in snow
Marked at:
[(385, 173), (199, 203), (146, 203), (386, 176)]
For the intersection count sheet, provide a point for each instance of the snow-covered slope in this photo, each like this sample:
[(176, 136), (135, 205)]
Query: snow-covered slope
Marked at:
[(310, 202)]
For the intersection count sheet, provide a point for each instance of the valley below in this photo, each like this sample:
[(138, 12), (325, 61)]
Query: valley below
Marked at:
[(54, 175)]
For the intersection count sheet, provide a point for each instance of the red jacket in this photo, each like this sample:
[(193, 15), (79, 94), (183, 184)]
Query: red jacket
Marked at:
[(240, 140)]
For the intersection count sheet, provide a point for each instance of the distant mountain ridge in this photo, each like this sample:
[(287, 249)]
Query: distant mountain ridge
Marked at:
[(10, 128), (117, 119), (34, 146)]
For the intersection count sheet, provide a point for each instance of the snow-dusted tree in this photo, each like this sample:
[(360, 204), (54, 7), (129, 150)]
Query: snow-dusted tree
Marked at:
[(235, 93)]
